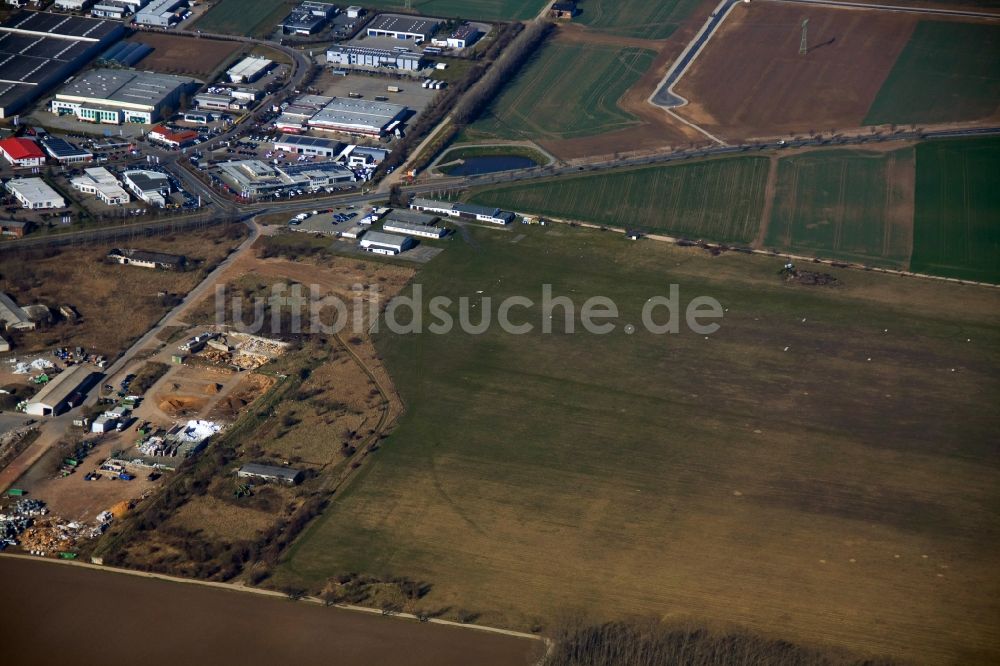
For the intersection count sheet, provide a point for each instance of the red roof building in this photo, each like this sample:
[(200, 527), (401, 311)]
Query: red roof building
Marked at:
[(172, 138), (22, 152)]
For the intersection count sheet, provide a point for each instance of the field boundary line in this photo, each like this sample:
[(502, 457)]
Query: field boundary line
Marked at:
[(767, 253), (838, 4), (233, 587)]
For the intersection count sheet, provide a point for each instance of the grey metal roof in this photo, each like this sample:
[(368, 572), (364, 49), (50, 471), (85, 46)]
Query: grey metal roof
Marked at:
[(407, 24), (272, 471), (146, 89)]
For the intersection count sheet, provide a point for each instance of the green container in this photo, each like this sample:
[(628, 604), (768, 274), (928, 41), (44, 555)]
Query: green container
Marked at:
[(15, 492), (67, 556)]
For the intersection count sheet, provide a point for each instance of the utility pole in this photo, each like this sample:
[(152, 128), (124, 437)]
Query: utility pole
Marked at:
[(804, 43)]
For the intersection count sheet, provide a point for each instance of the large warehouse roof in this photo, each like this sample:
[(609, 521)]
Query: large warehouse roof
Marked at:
[(342, 111), (62, 387), (407, 25), (123, 86)]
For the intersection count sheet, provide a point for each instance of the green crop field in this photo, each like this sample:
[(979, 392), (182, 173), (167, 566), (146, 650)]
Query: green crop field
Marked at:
[(817, 439), (486, 10), (957, 223), (243, 17), (636, 18), (845, 204), (718, 200), (947, 72), (566, 91)]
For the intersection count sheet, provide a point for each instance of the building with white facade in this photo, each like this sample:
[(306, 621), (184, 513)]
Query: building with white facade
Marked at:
[(101, 183), (411, 229), (365, 56), (116, 9), (34, 194), (22, 152), (249, 69), (407, 28), (254, 178), (377, 242), (152, 187), (160, 13), (119, 96), (309, 145), (458, 209)]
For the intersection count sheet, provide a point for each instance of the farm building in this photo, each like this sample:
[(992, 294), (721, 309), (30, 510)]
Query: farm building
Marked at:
[(270, 473), (35, 194), (462, 210), (168, 137), (409, 28), (388, 244), (59, 45), (464, 36), (151, 186), (355, 116), (15, 228), (409, 228), (22, 152), (119, 96), (144, 259), (13, 317), (63, 151), (160, 13), (249, 69), (365, 56), (563, 10), (54, 398), (101, 183), (308, 145)]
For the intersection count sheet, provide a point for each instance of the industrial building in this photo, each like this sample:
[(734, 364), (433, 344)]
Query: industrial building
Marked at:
[(364, 56), (249, 69), (270, 473), (54, 398), (152, 187), (464, 36), (39, 50), (308, 145), (63, 151), (73, 5), (411, 28), (409, 228), (389, 244), (307, 18), (408, 216), (366, 156), (145, 259), (22, 152), (470, 211), (119, 96), (101, 183), (35, 194), (355, 116), (160, 13), (213, 102), (253, 178), (116, 9)]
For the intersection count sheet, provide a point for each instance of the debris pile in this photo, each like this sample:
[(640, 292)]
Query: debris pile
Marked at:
[(17, 518), (27, 368)]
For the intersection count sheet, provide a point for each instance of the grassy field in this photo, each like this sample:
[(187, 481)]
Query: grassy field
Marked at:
[(719, 199), (244, 17), (845, 204), (947, 72), (636, 18), (957, 207), (566, 91), (487, 10), (813, 470)]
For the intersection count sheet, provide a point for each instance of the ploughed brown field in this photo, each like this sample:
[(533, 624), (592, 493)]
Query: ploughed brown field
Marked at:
[(751, 80), (68, 614), (176, 54)]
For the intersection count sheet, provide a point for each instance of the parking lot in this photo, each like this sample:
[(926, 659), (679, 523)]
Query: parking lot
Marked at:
[(369, 87)]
